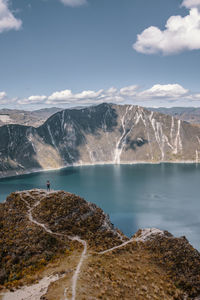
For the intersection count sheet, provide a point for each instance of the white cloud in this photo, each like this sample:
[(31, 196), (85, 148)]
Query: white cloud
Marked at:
[(60, 96), (181, 33), (5, 100), (36, 99), (85, 97), (193, 97), (165, 91), (191, 3), (7, 19), (74, 3), (129, 90), (2, 95), (128, 93), (157, 95)]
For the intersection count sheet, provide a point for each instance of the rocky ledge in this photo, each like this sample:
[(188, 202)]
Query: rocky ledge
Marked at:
[(58, 246)]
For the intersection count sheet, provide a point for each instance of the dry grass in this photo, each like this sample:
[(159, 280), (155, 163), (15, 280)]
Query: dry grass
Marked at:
[(126, 273)]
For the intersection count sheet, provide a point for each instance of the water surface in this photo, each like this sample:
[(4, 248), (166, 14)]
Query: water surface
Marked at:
[(166, 196)]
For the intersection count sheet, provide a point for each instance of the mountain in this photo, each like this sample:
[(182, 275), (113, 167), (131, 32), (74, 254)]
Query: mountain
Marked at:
[(105, 133), (188, 114), (59, 246), (28, 118)]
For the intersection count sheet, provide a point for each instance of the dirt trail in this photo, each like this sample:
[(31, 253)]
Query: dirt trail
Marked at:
[(76, 274), (29, 292), (117, 247), (74, 238)]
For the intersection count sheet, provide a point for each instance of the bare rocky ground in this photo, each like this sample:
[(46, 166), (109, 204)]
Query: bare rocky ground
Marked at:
[(39, 239)]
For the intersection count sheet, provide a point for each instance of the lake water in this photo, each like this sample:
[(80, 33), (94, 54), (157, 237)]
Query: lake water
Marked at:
[(166, 196)]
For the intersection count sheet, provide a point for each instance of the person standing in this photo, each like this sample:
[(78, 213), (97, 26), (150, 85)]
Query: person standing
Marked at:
[(48, 186)]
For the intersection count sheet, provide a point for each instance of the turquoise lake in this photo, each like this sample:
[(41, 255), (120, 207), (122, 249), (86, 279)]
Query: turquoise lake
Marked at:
[(166, 196)]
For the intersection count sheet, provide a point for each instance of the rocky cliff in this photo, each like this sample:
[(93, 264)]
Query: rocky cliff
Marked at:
[(102, 134), (58, 246)]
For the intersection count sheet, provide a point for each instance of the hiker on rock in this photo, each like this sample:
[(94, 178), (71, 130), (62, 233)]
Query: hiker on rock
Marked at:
[(48, 186)]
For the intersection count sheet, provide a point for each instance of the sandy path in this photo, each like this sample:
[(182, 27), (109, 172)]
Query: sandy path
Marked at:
[(32, 292), (117, 247), (76, 274)]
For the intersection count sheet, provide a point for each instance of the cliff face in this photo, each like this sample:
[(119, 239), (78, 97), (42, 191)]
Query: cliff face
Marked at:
[(61, 236), (101, 134)]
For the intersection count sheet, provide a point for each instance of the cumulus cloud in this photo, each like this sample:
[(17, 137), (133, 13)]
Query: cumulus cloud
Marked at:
[(73, 3), (7, 19), (129, 90), (128, 93), (85, 97), (2, 95), (5, 100), (181, 33), (163, 91), (36, 99), (193, 97), (165, 94), (191, 3)]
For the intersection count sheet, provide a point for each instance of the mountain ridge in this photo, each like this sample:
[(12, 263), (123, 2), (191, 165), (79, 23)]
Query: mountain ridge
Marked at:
[(27, 118), (106, 133), (67, 246), (188, 114)]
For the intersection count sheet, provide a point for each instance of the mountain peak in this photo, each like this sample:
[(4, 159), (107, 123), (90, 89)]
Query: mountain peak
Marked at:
[(100, 134)]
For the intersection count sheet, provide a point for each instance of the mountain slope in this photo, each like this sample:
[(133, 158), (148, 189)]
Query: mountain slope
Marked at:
[(102, 134), (67, 246)]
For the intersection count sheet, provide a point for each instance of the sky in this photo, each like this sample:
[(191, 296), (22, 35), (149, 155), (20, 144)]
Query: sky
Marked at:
[(68, 53)]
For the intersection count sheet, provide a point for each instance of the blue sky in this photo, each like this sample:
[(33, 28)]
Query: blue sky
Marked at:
[(79, 52)]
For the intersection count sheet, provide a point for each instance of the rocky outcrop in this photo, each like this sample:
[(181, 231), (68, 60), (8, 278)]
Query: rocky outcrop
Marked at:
[(102, 134)]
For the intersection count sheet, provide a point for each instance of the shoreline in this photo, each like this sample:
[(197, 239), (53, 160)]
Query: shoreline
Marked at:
[(35, 171)]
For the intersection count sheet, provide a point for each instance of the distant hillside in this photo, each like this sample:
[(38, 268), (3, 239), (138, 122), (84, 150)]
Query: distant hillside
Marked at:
[(188, 114), (100, 134), (27, 118)]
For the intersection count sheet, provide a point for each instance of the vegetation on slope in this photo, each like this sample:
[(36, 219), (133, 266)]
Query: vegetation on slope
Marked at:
[(160, 267)]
